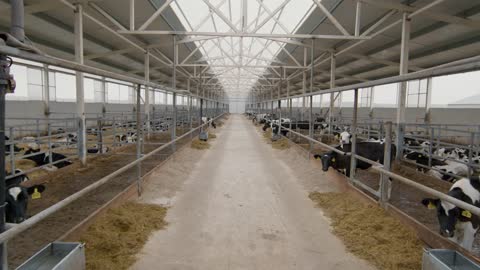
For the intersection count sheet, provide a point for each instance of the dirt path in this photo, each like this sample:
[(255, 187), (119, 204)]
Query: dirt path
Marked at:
[(239, 206)]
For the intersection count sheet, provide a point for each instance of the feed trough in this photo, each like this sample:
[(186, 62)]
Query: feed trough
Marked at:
[(57, 256), (445, 259)]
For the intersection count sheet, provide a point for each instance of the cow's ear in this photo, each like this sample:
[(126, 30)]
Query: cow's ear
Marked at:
[(430, 203)]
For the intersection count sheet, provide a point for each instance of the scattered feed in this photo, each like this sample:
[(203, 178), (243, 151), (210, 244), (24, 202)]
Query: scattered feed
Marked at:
[(281, 144), (200, 145), (114, 239), (370, 233), (267, 135), (212, 135)]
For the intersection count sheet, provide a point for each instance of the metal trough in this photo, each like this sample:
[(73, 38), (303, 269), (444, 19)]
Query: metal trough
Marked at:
[(445, 259), (203, 136), (57, 256)]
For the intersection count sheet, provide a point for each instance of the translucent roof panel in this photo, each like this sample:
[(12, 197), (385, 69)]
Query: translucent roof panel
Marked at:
[(238, 62)]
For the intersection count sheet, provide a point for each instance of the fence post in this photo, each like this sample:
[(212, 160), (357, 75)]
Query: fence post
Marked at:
[(12, 152), (470, 154), (50, 158), (100, 136), (430, 147), (353, 160), (385, 185), (139, 145)]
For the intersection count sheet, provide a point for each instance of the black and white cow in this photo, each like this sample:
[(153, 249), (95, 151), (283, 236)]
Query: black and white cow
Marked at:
[(422, 159), (445, 172), (212, 123), (16, 198), (457, 224), (43, 158), (369, 150), (16, 149), (96, 149), (345, 138)]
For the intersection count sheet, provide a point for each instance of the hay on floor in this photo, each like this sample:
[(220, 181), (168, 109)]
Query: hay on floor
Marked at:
[(212, 135), (112, 242), (200, 145), (370, 233), (281, 144)]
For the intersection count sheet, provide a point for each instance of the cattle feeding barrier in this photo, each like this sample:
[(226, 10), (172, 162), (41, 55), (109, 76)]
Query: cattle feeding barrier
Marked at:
[(15, 229)]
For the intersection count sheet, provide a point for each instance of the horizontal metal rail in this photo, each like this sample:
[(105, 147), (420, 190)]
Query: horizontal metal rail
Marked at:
[(50, 60), (466, 206), (379, 168), (471, 64), (18, 228)]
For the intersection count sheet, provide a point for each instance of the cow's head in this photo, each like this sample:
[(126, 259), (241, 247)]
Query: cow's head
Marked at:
[(17, 200), (266, 126), (328, 160), (448, 215)]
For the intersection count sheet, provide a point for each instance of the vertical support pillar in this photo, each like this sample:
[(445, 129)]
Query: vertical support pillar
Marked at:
[(103, 86), (333, 64), (190, 106), (428, 101), (312, 65), (46, 91), (372, 102), (353, 160), (174, 86), (385, 184), (139, 142), (146, 105), (132, 15), (358, 16), (402, 88), (304, 90), (81, 134)]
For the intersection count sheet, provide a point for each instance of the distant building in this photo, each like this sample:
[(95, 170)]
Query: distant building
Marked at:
[(468, 102)]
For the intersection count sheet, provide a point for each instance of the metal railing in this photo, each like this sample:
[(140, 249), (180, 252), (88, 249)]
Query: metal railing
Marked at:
[(16, 229)]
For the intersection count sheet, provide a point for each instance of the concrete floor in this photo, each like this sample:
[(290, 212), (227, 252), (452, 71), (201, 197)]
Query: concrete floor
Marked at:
[(240, 207)]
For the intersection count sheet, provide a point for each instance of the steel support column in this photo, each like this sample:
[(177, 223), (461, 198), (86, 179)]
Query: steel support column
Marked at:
[(147, 106), (353, 131), (46, 91), (174, 86), (333, 65), (402, 88), (428, 101), (81, 133)]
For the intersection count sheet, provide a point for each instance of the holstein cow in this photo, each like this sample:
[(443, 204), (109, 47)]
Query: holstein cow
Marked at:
[(457, 224), (206, 119), (43, 158), (16, 198), (451, 167), (341, 163), (16, 149), (345, 138), (422, 159)]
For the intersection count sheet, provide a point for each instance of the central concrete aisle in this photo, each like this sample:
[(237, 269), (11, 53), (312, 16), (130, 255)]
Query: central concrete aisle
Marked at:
[(242, 208)]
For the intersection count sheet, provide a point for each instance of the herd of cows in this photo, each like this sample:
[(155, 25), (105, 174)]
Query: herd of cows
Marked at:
[(449, 164), (28, 148)]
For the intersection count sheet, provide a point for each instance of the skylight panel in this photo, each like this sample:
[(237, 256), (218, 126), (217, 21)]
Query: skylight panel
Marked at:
[(240, 61)]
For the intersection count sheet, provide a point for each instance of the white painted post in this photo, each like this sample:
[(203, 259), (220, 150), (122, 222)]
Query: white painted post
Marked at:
[(402, 89), (81, 134), (46, 91), (147, 106), (333, 65), (428, 101)]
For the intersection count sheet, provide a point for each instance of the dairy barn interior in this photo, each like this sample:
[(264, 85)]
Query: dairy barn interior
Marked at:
[(240, 134)]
